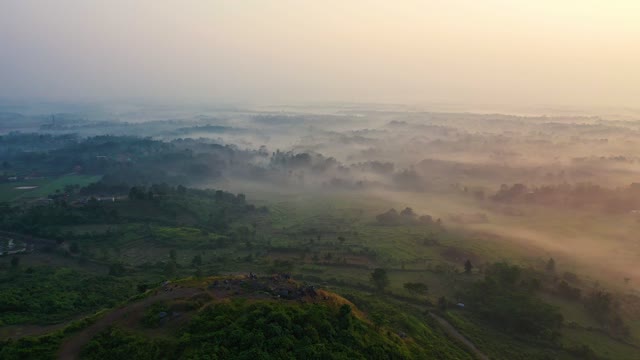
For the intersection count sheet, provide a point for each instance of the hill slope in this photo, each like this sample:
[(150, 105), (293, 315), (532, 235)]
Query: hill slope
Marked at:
[(238, 317)]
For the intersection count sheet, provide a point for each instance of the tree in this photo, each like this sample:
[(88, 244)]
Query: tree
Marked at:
[(197, 261), (443, 303), (170, 269), (568, 291), (468, 267), (408, 212), (116, 269), (599, 304), (426, 219), (74, 248), (345, 310), (618, 328), (281, 266), (551, 265), (378, 319), (502, 300), (390, 217), (344, 316), (416, 288), (380, 279), (136, 193)]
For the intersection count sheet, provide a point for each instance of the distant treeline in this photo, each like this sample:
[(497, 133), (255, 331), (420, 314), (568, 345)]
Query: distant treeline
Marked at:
[(619, 200), (404, 217), (191, 162), (88, 206)]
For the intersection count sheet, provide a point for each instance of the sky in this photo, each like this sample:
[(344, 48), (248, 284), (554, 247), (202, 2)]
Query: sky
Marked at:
[(564, 52)]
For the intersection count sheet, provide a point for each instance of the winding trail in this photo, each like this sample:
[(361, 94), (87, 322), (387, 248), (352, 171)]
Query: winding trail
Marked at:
[(72, 346), (16, 332), (451, 331)]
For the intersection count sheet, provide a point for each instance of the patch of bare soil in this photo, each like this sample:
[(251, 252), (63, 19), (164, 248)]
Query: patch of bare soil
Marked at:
[(72, 346)]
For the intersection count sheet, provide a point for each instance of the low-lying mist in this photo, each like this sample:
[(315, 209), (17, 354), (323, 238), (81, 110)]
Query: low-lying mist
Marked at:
[(561, 186)]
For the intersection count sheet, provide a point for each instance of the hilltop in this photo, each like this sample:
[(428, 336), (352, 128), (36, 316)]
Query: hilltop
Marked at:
[(232, 317)]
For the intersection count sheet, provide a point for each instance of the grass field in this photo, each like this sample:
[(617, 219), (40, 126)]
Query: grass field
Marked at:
[(335, 241), (529, 241), (43, 187), (600, 343)]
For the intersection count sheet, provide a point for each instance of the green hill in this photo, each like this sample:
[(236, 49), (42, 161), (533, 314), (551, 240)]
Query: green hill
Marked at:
[(239, 317)]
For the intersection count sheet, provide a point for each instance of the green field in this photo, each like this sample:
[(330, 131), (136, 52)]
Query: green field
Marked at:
[(333, 241), (43, 187)]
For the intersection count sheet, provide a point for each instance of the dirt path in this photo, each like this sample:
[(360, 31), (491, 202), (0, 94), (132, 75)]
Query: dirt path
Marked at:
[(451, 331), (19, 331), (72, 346)]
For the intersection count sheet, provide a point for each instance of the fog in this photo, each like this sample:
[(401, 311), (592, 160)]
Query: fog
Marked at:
[(527, 138), (576, 202), (561, 186), (490, 54), (481, 157)]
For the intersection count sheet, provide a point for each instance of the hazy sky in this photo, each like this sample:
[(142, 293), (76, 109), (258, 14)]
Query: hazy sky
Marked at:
[(582, 52)]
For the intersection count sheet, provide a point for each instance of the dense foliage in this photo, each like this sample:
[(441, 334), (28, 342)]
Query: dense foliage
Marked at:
[(138, 226), (44, 294), (506, 299), (237, 330), (405, 217), (121, 159), (44, 347), (158, 203)]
